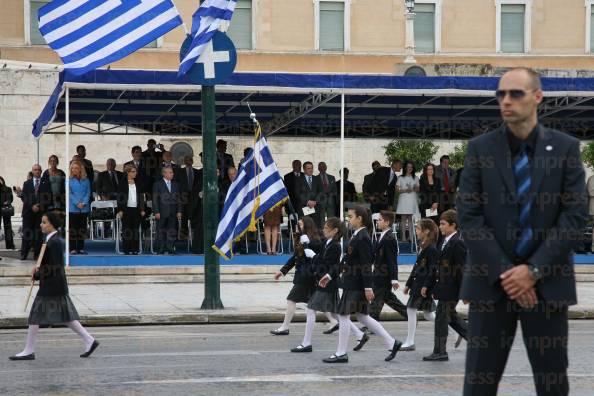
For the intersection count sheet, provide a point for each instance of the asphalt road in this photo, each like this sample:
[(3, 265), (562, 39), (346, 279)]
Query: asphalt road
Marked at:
[(244, 360)]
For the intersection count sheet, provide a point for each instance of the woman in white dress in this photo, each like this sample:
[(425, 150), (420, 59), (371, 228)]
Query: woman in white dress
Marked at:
[(408, 205)]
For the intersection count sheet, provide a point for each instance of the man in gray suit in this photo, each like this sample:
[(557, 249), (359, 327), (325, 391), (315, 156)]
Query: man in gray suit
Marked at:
[(327, 194), (522, 207), (167, 208)]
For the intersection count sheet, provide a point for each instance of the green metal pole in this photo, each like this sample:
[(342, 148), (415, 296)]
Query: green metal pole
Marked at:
[(210, 207)]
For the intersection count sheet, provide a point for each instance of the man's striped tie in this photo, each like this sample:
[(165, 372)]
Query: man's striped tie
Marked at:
[(523, 182)]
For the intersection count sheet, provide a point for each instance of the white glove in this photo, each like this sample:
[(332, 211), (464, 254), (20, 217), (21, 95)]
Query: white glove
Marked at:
[(304, 239), (309, 253)]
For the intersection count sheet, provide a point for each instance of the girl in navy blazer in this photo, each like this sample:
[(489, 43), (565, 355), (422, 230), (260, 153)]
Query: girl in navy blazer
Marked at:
[(356, 280), (419, 282)]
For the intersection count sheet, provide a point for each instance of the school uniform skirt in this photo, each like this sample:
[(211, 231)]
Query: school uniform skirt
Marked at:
[(421, 303), (353, 302), (324, 301), (52, 310), (301, 293)]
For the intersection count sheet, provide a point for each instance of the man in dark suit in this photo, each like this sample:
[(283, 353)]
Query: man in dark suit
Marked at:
[(36, 196), (447, 177), (142, 177), (152, 158), (291, 181), (385, 270), (168, 163), (395, 172), (350, 192), (307, 190), (445, 284), (326, 198), (81, 151), (224, 160), (196, 218), (375, 187), (188, 180), (522, 207), (167, 209), (367, 181), (108, 181)]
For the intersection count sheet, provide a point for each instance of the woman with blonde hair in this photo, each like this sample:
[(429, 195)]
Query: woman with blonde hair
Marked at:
[(80, 192)]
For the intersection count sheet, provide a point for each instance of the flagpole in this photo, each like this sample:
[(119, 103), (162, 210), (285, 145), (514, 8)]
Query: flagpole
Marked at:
[(342, 156), (67, 181), (210, 207)]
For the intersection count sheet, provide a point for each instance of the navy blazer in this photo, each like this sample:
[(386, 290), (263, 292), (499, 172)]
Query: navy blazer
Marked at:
[(304, 274), (489, 213), (355, 268), (385, 265), (447, 274), (421, 274), (51, 273), (328, 262), (164, 202), (43, 197)]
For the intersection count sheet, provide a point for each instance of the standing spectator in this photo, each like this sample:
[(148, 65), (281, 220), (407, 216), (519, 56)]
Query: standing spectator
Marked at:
[(131, 210), (36, 196), (196, 218), (188, 178), (307, 190), (395, 172), (80, 190), (7, 212), (590, 187), (142, 176), (81, 151), (57, 181), (291, 180), (430, 193), (167, 209), (108, 181), (350, 192), (224, 160), (375, 187), (246, 153), (152, 158), (408, 206), (272, 221), (367, 179), (168, 162), (327, 196), (226, 185), (447, 177)]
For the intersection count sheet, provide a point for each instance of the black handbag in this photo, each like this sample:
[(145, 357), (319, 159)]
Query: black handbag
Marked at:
[(8, 210), (102, 214)]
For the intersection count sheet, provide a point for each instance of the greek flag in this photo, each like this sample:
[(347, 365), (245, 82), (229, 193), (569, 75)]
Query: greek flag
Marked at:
[(205, 22), (258, 188), (88, 34)]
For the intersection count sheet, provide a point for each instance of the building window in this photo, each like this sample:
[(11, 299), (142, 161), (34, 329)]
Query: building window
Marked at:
[(331, 26), (425, 28), (34, 33), (513, 17), (240, 28)]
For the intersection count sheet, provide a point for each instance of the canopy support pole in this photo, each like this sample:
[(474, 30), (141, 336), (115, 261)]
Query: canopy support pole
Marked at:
[(67, 188)]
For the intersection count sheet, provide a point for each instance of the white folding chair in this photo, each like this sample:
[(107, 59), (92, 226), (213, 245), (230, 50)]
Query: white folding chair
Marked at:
[(100, 223)]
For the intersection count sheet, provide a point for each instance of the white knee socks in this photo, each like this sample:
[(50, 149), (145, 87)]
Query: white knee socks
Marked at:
[(291, 308), (412, 326), (332, 319), (31, 339), (309, 327), (344, 331), (84, 334), (377, 329)]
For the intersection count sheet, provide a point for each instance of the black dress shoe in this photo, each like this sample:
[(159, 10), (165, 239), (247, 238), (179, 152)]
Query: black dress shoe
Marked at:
[(437, 357), (279, 332), (301, 348), (26, 357), (332, 330), (361, 342), (337, 359), (23, 257), (90, 351), (394, 351)]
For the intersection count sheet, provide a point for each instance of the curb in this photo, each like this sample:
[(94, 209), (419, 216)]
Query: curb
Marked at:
[(221, 317)]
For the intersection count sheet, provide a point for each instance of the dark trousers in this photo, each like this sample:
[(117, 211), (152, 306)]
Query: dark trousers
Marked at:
[(491, 330), (32, 236), (8, 238), (445, 316), (167, 233), (384, 295), (130, 230), (78, 231)]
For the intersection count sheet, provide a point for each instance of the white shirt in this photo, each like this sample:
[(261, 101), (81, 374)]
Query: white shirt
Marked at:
[(132, 196), (447, 239), (51, 234)]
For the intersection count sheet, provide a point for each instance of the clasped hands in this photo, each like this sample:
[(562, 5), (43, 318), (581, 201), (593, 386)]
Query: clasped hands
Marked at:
[(518, 284)]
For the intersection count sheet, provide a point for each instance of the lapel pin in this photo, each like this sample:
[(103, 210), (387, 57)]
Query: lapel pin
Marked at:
[(549, 148)]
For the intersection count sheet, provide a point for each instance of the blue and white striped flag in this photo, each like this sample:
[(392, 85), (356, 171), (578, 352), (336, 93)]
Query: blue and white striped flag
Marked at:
[(205, 22), (88, 34), (258, 188)]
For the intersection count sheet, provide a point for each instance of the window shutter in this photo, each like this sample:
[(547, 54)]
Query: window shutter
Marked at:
[(240, 29), (331, 26), (512, 28), (424, 28)]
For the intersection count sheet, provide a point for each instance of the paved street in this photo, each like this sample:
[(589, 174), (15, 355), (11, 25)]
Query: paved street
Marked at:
[(244, 359)]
